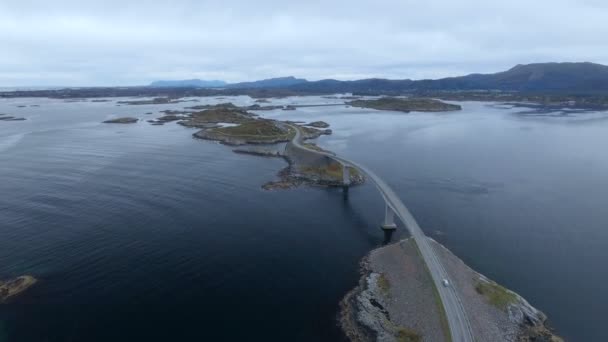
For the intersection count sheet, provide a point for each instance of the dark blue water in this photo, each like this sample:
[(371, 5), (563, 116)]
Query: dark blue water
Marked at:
[(140, 232)]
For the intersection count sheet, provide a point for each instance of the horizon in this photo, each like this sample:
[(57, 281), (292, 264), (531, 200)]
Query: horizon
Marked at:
[(47, 87)]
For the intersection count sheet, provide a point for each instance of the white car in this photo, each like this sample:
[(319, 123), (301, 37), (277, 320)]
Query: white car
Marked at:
[(445, 282)]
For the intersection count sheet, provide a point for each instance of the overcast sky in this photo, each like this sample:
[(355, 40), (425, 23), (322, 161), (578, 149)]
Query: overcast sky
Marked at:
[(126, 42)]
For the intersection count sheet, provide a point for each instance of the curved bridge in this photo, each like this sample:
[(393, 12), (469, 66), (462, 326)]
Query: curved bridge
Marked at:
[(458, 321)]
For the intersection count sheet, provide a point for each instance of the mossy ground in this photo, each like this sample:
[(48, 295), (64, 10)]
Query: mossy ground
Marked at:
[(407, 335), (495, 294), (383, 283)]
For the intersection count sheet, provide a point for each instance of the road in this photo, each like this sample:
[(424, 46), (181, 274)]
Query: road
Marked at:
[(458, 322)]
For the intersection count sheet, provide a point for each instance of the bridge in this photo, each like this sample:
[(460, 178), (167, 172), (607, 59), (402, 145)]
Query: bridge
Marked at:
[(458, 322)]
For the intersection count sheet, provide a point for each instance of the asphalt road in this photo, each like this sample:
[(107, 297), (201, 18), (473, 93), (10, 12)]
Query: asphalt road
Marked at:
[(457, 318)]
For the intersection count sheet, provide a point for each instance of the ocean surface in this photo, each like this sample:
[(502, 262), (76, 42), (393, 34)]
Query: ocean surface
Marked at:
[(143, 233)]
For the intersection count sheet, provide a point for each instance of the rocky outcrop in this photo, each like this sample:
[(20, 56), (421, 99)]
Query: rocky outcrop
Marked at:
[(12, 288), (395, 293), (318, 124), (318, 168), (4, 117), (394, 299), (126, 120)]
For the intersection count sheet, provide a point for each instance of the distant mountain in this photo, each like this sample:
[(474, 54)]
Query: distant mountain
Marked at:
[(280, 82), (531, 77), (188, 84), (539, 77)]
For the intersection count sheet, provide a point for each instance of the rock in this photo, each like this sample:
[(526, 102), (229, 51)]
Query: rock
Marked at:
[(11, 288), (11, 118), (126, 120), (318, 124), (170, 117)]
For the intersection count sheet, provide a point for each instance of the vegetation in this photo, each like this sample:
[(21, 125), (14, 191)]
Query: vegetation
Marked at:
[(226, 113), (406, 104), (318, 124), (383, 283), (407, 335), (255, 128), (495, 294), (333, 170)]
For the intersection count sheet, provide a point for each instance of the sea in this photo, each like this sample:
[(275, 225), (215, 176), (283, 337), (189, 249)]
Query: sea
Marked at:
[(138, 232)]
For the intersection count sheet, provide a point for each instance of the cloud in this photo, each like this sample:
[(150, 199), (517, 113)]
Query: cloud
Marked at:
[(127, 43)]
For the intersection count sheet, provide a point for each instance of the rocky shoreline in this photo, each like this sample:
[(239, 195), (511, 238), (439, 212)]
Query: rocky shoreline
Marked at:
[(395, 301)]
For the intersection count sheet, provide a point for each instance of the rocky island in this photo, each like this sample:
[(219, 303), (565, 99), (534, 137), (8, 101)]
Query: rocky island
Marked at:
[(11, 288), (396, 300), (236, 126), (4, 117), (126, 120), (406, 105)]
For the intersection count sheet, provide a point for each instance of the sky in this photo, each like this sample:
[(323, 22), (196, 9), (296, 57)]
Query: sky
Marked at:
[(114, 43)]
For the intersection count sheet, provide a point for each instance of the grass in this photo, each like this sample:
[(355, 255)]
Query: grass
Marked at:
[(333, 170), (353, 171), (495, 294), (252, 128), (407, 335), (221, 114), (259, 130), (383, 283)]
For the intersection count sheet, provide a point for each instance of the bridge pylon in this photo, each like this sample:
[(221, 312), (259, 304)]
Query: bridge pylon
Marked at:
[(345, 176), (389, 219)]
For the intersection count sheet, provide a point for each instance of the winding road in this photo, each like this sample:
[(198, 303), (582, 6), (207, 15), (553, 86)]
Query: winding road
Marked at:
[(458, 322)]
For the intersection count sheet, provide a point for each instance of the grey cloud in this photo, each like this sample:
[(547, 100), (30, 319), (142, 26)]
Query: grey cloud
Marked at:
[(128, 42)]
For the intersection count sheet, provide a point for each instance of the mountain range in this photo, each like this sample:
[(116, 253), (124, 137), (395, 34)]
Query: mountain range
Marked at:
[(539, 77), (194, 83)]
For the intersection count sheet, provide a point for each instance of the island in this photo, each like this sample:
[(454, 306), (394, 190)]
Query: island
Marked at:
[(396, 300), (11, 288), (406, 105), (154, 101), (236, 126), (4, 117), (126, 120)]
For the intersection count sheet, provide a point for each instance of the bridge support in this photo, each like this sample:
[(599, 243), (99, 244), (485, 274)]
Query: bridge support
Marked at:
[(389, 219), (345, 176)]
